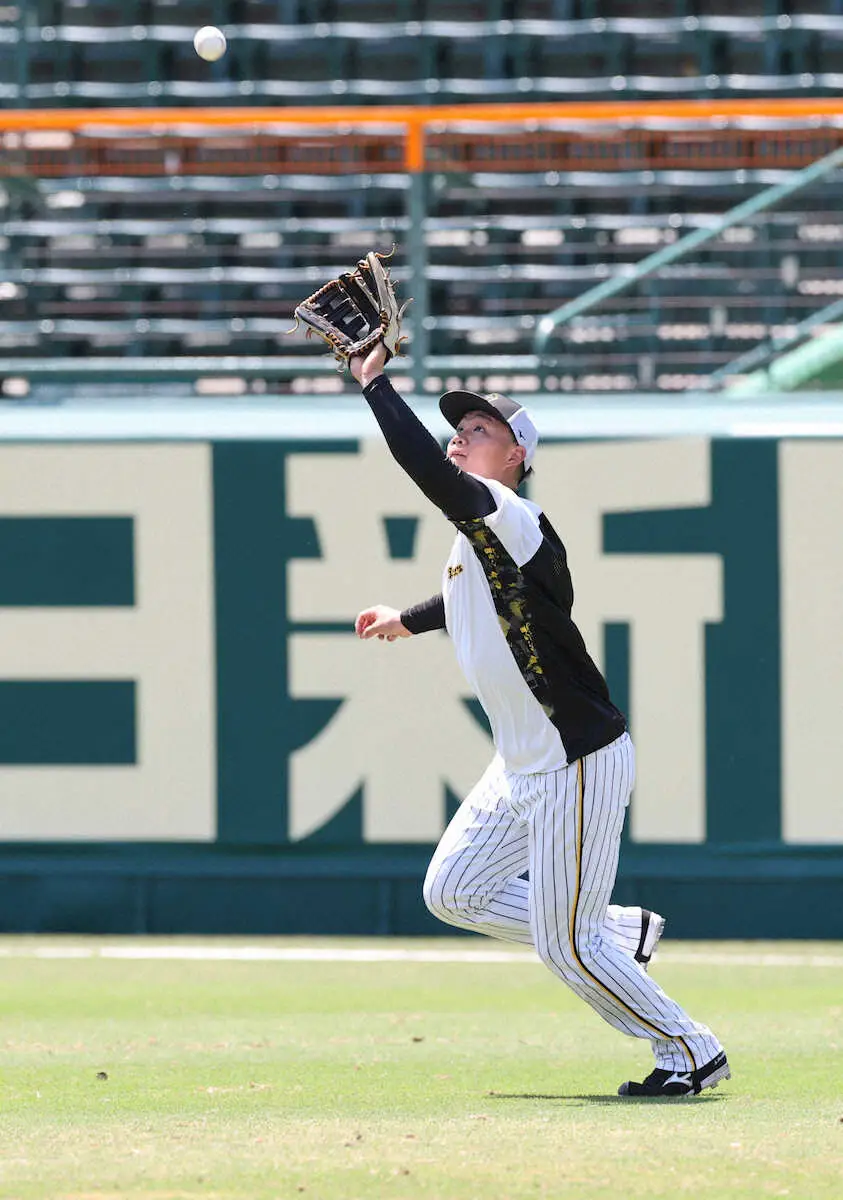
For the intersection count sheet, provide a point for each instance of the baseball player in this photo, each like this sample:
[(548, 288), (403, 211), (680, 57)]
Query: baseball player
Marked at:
[(554, 798)]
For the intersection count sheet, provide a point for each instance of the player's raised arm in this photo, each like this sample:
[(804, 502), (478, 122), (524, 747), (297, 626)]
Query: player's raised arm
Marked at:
[(457, 494)]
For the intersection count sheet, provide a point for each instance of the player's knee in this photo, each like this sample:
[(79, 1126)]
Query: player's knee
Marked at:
[(442, 902), (556, 955), (433, 895), (571, 960)]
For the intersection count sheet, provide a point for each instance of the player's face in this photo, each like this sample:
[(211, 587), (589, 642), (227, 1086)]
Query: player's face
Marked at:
[(484, 446)]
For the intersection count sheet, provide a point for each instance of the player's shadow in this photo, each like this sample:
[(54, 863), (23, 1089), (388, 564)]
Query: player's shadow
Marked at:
[(612, 1098)]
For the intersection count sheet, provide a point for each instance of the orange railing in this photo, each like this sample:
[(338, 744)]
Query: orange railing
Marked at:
[(603, 136)]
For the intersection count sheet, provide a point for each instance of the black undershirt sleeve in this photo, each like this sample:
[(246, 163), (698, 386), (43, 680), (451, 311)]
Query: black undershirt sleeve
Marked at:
[(460, 497), (426, 616)]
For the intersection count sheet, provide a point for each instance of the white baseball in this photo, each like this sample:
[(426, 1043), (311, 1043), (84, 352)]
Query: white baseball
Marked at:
[(209, 43)]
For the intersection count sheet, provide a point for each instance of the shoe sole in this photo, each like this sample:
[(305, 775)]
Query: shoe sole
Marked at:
[(712, 1080), (655, 929)]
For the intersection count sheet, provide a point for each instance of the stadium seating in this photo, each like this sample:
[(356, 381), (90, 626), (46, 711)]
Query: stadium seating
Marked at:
[(171, 281), (175, 263), (78, 51)]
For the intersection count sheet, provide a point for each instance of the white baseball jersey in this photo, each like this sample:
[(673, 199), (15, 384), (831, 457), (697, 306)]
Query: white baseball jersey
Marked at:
[(507, 597)]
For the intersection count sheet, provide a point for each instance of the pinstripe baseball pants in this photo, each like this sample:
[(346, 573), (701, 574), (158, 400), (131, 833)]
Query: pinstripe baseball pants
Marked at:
[(564, 827)]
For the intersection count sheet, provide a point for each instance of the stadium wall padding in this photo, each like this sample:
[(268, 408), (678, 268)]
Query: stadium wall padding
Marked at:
[(192, 740)]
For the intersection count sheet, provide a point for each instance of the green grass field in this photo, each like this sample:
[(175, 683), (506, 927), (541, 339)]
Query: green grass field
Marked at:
[(333, 1080)]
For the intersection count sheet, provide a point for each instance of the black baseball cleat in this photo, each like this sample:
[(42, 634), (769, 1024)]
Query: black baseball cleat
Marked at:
[(679, 1083), (652, 927)]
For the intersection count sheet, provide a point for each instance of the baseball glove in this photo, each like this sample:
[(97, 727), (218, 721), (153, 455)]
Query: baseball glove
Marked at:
[(356, 311)]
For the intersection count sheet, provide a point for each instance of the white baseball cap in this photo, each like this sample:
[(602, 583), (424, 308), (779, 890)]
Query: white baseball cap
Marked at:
[(454, 406)]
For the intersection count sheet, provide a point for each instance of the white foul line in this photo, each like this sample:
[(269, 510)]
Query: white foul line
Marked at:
[(327, 954), (266, 954)]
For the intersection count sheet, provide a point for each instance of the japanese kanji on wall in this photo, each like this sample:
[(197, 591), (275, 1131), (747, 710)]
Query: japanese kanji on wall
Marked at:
[(178, 663)]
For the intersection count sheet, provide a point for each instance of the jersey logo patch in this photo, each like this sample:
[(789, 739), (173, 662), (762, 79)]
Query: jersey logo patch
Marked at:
[(453, 572)]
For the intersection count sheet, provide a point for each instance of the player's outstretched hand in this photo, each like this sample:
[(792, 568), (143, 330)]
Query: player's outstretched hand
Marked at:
[(380, 622), (364, 370)]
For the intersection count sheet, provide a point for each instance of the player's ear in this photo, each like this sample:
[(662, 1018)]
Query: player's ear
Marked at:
[(516, 455)]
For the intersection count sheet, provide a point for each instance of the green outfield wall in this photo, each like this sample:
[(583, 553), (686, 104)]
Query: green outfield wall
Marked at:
[(193, 740)]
